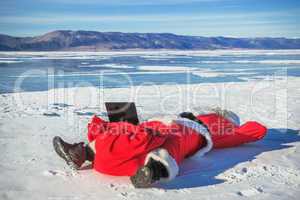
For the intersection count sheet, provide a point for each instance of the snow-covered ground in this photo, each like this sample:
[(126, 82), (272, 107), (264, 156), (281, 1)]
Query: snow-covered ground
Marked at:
[(268, 169)]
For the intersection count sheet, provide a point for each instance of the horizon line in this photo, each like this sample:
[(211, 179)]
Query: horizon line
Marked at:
[(187, 35)]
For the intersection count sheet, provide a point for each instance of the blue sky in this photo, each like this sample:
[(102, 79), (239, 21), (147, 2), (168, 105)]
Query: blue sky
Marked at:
[(237, 18)]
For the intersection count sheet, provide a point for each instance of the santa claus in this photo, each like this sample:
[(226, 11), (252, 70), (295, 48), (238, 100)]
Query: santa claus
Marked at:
[(153, 150)]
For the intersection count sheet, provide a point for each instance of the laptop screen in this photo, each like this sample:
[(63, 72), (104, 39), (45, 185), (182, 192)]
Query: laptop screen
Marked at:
[(122, 111)]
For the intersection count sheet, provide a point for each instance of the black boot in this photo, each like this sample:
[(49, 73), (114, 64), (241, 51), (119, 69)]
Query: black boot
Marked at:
[(74, 154), (150, 173), (191, 116)]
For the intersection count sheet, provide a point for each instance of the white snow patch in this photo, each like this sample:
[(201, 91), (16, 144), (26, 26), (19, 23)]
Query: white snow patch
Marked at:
[(113, 66), (10, 61), (208, 74), (278, 62), (148, 54), (165, 68)]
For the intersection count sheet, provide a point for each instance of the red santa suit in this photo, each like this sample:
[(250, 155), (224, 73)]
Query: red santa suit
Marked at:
[(122, 148)]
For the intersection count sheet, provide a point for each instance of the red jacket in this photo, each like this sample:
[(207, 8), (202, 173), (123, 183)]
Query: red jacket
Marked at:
[(121, 147)]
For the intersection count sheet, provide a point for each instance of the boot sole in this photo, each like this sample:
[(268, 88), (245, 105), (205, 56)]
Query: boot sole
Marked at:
[(142, 178), (59, 149)]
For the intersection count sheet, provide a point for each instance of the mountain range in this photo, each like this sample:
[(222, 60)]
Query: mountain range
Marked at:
[(67, 40)]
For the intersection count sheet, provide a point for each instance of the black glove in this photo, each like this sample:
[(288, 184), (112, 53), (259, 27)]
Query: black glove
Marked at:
[(192, 117)]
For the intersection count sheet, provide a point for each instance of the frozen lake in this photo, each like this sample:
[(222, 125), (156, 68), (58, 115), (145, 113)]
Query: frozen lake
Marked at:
[(40, 71)]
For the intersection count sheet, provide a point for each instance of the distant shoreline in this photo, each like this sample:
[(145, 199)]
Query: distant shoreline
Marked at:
[(155, 51)]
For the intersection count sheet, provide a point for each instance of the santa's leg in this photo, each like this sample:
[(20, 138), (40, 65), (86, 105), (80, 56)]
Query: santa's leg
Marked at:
[(74, 154), (155, 169), (248, 132), (161, 165), (226, 133)]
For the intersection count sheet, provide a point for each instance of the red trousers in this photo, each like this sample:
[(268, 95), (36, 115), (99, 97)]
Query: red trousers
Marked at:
[(121, 148)]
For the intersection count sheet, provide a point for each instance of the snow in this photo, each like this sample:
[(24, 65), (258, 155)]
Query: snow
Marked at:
[(268, 169), (208, 73), (10, 61), (151, 54), (278, 62), (165, 68), (113, 66)]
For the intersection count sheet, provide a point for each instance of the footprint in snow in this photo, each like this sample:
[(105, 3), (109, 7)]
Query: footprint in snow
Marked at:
[(51, 114), (250, 192), (127, 195), (50, 173)]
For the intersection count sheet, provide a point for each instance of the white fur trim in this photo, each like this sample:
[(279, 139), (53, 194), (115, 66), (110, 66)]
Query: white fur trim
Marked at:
[(204, 110), (234, 118), (199, 129), (231, 116), (166, 119), (163, 156)]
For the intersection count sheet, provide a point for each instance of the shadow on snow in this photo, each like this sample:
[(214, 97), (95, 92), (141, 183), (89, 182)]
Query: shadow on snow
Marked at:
[(203, 172)]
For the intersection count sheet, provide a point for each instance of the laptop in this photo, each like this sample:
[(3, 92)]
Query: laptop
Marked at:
[(122, 111)]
